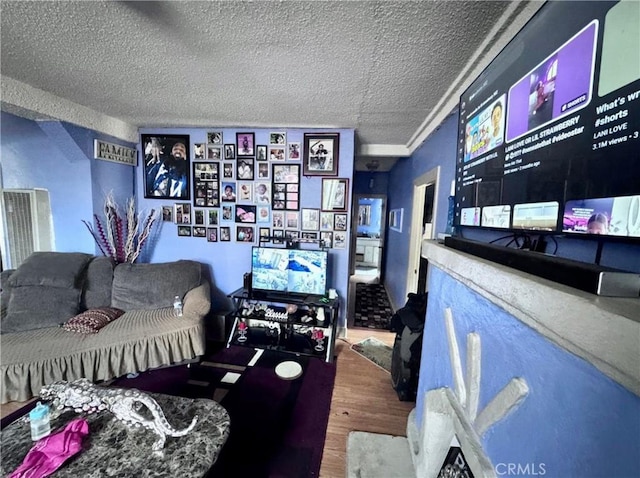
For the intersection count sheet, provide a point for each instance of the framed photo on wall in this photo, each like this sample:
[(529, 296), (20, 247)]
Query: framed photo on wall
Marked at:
[(245, 191), (277, 218), (292, 220), (340, 240), (166, 167), (334, 194), (229, 151), (214, 153), (286, 173), (262, 190), (213, 217), (265, 234), (395, 219), (310, 219), (276, 234), (198, 151), (286, 186), (214, 137), (246, 144), (182, 213), (321, 154), (263, 214), (326, 221), (261, 152), (340, 222), (327, 239), (198, 215), (246, 213), (279, 137), (167, 213), (228, 213), (277, 153), (293, 151), (245, 234), (206, 184), (228, 170), (245, 169)]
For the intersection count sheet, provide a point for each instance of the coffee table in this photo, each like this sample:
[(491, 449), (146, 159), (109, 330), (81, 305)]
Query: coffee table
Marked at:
[(113, 449)]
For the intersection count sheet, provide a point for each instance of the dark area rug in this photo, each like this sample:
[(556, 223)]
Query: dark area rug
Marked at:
[(373, 309), (278, 427)]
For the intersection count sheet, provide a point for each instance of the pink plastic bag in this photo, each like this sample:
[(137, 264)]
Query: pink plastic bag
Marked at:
[(52, 451)]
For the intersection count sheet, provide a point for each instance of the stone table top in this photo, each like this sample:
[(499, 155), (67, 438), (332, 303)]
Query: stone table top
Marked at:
[(113, 449)]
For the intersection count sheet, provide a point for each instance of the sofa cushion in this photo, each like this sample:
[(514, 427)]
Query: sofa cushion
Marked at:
[(54, 269), (97, 286), (153, 286), (91, 321), (5, 291), (37, 307)]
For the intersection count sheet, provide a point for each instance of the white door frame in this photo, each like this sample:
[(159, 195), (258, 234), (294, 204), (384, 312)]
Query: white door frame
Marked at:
[(420, 231)]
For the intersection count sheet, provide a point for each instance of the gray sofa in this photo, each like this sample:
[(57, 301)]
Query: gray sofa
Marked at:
[(49, 288)]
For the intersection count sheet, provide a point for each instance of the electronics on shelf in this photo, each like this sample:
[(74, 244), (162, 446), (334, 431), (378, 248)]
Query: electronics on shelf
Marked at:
[(299, 324), (288, 271)]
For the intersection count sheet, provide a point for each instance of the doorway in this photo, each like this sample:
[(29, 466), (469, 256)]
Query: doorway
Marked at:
[(368, 234), (425, 195), (370, 226)]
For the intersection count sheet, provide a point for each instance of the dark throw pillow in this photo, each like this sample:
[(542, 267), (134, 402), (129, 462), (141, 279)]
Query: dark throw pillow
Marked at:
[(92, 320)]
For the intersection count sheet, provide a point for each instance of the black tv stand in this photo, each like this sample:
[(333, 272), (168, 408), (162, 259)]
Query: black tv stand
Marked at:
[(289, 332)]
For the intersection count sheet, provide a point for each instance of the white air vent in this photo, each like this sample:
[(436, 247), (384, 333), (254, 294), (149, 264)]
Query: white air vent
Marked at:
[(27, 225)]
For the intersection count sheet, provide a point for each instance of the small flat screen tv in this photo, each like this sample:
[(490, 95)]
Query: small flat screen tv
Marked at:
[(549, 133), (288, 271)]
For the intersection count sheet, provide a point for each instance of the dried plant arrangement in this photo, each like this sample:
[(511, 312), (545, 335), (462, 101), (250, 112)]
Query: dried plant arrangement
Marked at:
[(122, 235)]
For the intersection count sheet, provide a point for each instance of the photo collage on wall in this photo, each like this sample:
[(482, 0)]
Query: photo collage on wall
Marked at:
[(243, 191)]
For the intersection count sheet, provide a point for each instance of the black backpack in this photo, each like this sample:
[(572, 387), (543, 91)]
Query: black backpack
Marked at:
[(408, 324)]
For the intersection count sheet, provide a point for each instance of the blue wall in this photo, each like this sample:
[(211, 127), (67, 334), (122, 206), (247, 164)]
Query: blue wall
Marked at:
[(229, 261), (438, 150), (575, 420), (370, 183), (58, 157)]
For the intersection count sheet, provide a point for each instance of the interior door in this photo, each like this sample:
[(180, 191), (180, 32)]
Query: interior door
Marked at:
[(427, 220), (424, 208)]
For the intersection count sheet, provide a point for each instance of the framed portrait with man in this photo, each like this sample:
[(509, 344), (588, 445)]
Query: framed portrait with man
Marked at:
[(166, 165), (321, 154)]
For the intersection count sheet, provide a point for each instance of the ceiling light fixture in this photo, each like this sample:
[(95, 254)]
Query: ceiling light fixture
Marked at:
[(373, 165)]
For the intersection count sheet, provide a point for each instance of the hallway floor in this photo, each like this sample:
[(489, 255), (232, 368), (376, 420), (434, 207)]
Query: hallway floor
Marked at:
[(372, 307)]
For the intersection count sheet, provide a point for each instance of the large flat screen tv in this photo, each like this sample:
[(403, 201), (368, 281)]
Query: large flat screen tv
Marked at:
[(288, 271), (548, 137)]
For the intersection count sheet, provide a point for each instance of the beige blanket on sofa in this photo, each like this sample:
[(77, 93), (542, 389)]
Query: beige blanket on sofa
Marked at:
[(137, 341)]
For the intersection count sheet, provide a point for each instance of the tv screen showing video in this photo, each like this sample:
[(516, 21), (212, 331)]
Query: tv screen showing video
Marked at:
[(295, 271), (548, 134)]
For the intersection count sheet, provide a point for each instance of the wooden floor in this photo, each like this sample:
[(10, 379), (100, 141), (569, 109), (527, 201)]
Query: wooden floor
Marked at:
[(363, 400)]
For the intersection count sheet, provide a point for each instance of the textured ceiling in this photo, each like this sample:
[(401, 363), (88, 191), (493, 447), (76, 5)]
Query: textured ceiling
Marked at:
[(380, 67)]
